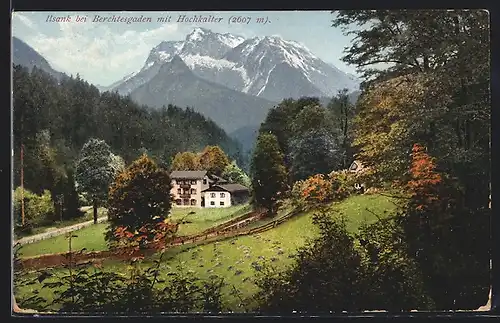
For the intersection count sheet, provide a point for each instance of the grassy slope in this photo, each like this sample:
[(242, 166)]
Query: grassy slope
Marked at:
[(88, 216), (205, 218), (227, 257), (92, 238)]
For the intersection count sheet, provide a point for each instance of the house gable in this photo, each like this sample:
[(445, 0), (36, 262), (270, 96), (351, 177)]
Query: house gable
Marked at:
[(231, 188), (215, 188)]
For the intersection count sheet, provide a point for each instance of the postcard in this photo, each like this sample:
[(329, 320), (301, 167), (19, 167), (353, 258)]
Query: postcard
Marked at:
[(259, 162)]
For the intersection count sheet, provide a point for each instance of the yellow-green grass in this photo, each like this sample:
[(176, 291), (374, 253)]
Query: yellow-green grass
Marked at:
[(92, 237), (199, 219), (87, 216), (275, 245)]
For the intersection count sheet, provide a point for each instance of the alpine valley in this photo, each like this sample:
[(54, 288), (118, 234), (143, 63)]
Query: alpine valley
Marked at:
[(232, 80)]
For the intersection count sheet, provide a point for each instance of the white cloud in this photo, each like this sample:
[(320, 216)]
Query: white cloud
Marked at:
[(96, 52), (25, 20)]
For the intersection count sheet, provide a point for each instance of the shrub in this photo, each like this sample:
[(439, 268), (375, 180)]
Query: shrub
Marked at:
[(298, 199), (313, 191), (339, 271), (342, 184), (139, 290), (320, 189), (82, 198), (38, 209)]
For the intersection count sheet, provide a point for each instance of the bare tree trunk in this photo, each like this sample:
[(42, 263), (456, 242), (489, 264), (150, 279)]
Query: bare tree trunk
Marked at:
[(95, 212)]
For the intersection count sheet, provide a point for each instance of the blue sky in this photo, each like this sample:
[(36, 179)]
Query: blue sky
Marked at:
[(105, 52)]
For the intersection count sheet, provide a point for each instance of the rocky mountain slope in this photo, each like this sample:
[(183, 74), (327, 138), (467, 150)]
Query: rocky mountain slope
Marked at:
[(175, 83), (25, 55), (269, 67)]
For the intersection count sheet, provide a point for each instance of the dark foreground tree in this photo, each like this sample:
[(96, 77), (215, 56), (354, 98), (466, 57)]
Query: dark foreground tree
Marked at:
[(435, 91), (269, 176), (444, 237)]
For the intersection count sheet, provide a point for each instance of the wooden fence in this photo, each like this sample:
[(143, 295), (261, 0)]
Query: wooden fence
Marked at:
[(208, 236)]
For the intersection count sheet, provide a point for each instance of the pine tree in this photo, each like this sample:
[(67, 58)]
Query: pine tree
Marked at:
[(269, 175), (71, 200)]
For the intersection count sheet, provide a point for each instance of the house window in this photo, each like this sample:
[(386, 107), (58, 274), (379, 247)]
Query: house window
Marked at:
[(179, 191), (204, 181), (186, 201), (193, 191), (222, 195), (178, 202), (212, 195), (193, 182), (212, 203), (221, 203), (193, 202)]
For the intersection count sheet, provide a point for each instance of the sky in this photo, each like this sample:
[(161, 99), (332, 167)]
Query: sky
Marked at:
[(104, 52)]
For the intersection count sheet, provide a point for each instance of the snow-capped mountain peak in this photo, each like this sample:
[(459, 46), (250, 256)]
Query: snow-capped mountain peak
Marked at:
[(267, 66), (230, 39), (197, 34)]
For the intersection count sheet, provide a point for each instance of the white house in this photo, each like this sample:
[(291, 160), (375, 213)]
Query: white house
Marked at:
[(225, 195)]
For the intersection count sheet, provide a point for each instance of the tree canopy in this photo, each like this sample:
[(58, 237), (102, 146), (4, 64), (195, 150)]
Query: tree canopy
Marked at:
[(269, 175), (139, 199)]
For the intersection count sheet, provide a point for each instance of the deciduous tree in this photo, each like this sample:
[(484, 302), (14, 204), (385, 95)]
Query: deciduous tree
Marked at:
[(185, 161), (213, 159), (315, 152), (280, 118), (94, 171), (343, 112), (139, 202), (233, 174)]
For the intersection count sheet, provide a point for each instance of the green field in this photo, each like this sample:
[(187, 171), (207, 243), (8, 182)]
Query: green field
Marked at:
[(200, 219), (92, 238), (232, 258), (87, 216)]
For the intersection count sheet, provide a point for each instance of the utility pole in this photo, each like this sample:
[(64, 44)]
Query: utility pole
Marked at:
[(22, 185)]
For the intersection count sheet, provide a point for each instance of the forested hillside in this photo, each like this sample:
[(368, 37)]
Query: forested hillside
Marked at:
[(53, 120)]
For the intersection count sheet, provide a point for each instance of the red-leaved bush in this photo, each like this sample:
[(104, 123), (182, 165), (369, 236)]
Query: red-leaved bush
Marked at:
[(425, 181)]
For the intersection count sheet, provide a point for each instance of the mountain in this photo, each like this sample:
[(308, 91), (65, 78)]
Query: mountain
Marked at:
[(269, 67), (246, 136), (175, 83), (25, 55)]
